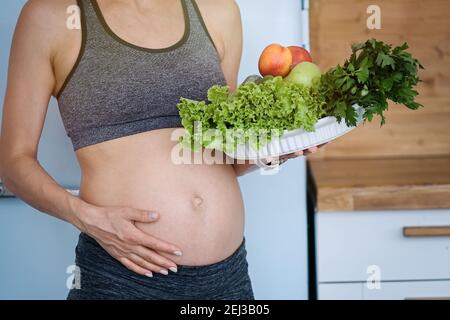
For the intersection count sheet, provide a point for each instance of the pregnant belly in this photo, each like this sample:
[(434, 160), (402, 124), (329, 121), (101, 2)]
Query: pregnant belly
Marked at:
[(200, 205)]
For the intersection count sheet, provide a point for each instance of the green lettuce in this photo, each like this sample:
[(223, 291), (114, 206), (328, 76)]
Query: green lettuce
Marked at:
[(254, 113)]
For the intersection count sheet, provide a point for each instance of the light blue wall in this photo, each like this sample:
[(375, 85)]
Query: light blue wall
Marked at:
[(35, 249)]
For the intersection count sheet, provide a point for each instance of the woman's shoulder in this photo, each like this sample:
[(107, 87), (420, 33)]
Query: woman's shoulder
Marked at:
[(45, 22), (223, 20), (46, 15), (218, 3), (221, 16), (46, 10), (220, 12)]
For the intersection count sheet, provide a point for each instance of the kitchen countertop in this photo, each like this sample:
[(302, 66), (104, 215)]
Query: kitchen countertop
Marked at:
[(379, 184)]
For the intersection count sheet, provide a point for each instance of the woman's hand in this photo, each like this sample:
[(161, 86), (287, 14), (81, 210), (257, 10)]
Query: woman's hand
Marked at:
[(284, 158), (247, 167), (114, 229), (302, 152)]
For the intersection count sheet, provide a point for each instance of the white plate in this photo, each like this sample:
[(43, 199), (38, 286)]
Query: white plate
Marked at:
[(326, 129)]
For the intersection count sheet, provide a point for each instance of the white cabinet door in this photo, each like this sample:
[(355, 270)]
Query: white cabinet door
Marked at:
[(340, 291), (409, 290), (352, 245)]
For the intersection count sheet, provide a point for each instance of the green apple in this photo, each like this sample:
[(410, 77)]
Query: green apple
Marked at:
[(304, 73)]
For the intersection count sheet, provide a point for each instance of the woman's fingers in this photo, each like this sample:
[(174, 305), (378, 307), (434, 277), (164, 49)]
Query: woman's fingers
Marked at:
[(132, 234), (144, 264), (156, 259), (142, 215), (134, 267), (299, 153), (302, 152), (148, 260), (313, 149), (290, 155), (136, 250), (146, 240)]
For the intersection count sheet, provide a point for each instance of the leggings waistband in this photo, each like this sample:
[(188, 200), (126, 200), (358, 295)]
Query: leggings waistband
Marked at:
[(103, 277), (88, 249)]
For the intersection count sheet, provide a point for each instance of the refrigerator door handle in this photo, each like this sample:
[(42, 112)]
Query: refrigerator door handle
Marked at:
[(305, 25)]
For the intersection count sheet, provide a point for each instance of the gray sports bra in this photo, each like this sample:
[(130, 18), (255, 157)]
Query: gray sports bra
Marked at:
[(116, 89)]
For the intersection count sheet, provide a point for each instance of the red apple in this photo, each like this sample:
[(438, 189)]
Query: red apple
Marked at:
[(299, 55), (275, 60)]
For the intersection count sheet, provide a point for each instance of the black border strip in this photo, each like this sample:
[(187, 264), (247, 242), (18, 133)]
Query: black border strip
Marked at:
[(82, 48), (187, 30), (311, 202)]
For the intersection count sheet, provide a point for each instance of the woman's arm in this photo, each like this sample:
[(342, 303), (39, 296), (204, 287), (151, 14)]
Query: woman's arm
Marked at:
[(31, 82), (29, 87)]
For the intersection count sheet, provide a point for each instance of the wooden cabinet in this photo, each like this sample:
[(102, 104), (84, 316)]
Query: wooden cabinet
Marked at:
[(383, 194), (425, 25), (382, 183)]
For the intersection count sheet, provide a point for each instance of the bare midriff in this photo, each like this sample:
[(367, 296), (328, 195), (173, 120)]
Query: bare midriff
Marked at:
[(200, 205)]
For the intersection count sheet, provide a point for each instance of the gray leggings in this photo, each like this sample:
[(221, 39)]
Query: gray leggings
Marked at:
[(103, 277)]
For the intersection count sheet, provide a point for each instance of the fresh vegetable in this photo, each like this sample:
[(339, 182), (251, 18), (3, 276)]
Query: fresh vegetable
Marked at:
[(270, 107), (374, 74), (305, 73)]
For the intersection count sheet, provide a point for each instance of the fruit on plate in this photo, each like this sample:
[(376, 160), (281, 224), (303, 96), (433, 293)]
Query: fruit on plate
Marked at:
[(253, 78), (349, 93), (275, 60), (305, 73), (299, 55)]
